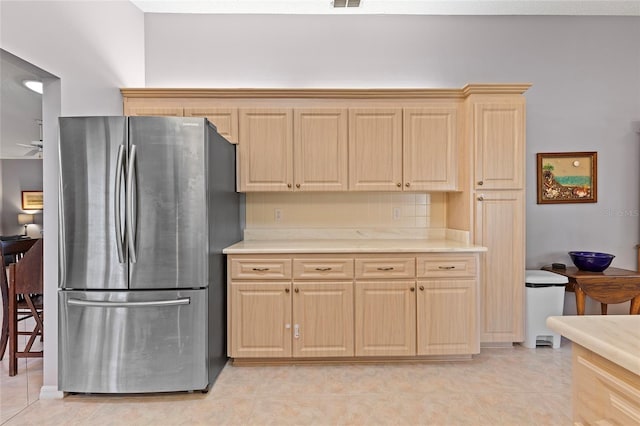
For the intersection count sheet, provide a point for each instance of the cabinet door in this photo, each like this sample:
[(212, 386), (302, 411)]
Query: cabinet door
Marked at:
[(375, 149), (320, 149), (430, 141), (385, 318), (266, 149), (500, 227), (499, 131), (446, 317), (225, 120), (154, 111), (323, 319), (260, 320)]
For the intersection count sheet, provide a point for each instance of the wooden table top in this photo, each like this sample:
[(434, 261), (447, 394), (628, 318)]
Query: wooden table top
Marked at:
[(575, 273)]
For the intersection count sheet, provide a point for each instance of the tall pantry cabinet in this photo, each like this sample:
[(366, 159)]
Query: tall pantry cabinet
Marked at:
[(497, 132)]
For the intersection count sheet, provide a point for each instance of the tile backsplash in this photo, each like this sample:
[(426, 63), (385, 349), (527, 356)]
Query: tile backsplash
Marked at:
[(345, 210)]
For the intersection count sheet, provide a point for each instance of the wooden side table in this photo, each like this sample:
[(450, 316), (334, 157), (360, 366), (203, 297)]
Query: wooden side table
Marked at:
[(613, 285)]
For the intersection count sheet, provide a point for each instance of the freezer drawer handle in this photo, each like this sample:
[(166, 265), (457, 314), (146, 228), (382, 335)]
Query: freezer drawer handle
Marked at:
[(181, 301)]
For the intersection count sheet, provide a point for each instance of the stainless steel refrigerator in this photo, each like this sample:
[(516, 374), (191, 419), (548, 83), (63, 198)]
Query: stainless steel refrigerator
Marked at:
[(146, 206)]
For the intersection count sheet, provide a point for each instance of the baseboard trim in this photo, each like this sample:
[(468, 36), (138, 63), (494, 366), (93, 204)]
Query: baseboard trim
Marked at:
[(51, 392)]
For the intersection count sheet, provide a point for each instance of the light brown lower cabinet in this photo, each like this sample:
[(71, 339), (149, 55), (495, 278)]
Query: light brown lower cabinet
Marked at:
[(604, 393), (322, 319), (446, 317), (385, 318), (339, 306), (261, 320)]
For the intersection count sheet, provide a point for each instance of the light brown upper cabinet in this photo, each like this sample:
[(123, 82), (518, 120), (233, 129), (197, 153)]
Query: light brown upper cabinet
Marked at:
[(225, 120), (430, 142), (320, 149), (266, 149), (155, 111), (375, 149), (498, 133), (293, 149)]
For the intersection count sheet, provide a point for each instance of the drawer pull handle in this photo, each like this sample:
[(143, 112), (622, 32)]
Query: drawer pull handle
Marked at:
[(286, 290), (297, 290), (323, 269), (412, 289), (421, 288), (260, 269), (446, 267), (386, 268)]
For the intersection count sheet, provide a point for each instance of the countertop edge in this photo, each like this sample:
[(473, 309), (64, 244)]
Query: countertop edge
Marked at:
[(346, 247), (590, 340)]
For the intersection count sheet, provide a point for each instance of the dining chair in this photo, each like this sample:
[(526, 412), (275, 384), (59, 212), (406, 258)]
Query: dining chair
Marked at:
[(11, 251), (25, 293)]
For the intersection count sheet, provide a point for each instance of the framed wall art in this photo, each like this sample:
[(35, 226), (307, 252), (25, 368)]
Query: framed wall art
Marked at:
[(567, 177), (32, 200)]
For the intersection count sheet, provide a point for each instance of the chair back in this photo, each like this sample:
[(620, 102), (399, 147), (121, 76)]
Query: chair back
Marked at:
[(13, 250), (29, 271)]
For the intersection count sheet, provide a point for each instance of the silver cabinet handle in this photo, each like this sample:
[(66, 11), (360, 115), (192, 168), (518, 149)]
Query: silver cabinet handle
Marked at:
[(116, 204), (446, 267), (132, 208), (323, 269), (98, 304), (296, 331), (386, 268)]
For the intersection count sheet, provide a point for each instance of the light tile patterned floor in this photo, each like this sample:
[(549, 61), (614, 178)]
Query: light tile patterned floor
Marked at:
[(513, 386)]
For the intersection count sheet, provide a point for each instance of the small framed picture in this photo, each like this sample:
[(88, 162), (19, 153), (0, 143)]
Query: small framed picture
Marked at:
[(32, 200), (567, 177)]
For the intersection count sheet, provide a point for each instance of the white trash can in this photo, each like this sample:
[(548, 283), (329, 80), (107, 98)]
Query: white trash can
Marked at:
[(544, 297)]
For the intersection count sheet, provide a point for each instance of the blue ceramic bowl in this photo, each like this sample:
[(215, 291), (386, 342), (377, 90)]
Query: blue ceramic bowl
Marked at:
[(591, 261)]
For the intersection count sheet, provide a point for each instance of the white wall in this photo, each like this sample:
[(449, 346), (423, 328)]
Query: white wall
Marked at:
[(17, 176), (585, 96), (94, 48)]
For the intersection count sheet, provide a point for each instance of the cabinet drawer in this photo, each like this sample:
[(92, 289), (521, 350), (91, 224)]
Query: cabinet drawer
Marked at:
[(323, 268), (398, 267), (257, 268), (446, 266)]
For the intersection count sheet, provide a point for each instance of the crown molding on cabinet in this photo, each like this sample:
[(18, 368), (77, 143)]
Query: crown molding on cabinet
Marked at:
[(514, 89)]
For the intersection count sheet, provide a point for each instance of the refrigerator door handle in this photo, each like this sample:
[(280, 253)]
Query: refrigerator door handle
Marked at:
[(102, 304), (132, 208), (117, 195)]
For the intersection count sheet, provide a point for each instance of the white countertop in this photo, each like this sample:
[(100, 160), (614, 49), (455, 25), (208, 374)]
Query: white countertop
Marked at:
[(351, 246), (614, 337)]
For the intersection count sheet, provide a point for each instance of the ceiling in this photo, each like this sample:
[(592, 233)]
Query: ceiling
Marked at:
[(397, 7)]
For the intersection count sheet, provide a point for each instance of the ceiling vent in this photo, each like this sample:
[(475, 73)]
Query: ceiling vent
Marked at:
[(346, 3)]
